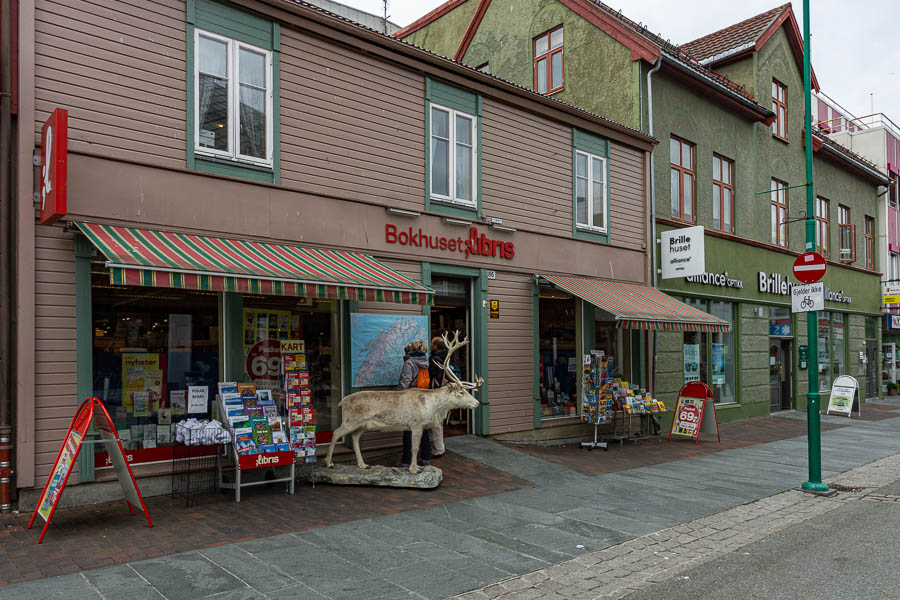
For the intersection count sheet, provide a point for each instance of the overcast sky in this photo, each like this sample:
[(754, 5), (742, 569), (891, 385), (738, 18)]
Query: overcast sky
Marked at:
[(853, 43)]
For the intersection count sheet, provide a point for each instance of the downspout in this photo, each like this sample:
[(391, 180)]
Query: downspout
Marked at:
[(652, 199), (6, 199)]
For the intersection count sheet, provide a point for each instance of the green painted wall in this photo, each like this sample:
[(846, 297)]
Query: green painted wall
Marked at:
[(599, 73), (443, 35), (742, 73)]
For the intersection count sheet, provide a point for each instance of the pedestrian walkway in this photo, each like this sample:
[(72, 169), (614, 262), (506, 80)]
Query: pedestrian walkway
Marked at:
[(550, 515)]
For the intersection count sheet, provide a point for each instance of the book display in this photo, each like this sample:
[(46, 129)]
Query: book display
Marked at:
[(301, 434), (259, 439), (610, 400)]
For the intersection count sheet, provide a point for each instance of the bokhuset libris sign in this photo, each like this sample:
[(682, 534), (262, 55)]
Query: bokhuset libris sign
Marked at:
[(682, 252)]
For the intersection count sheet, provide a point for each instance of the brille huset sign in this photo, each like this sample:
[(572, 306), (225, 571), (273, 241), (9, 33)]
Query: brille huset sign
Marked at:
[(476, 244)]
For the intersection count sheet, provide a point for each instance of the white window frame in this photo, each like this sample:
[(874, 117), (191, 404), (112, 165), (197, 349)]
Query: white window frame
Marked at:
[(452, 198), (590, 193), (233, 153)]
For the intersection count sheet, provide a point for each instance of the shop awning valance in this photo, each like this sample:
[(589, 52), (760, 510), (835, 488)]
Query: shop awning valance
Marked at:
[(179, 260), (637, 306)]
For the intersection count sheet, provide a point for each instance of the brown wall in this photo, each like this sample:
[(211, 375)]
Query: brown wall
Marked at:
[(352, 143), (55, 396)]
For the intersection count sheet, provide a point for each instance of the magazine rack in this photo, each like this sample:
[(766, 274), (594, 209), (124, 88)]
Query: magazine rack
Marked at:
[(250, 462)]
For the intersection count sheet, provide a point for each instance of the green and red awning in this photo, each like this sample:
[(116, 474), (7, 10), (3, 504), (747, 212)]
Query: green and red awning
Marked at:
[(637, 306), (197, 262)]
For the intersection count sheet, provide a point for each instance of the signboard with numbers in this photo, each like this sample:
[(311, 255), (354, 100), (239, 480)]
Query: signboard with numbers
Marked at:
[(690, 418)]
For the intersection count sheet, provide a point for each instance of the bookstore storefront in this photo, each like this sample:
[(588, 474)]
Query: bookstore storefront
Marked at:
[(157, 332)]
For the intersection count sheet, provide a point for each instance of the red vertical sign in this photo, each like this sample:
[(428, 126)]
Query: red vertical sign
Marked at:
[(54, 156)]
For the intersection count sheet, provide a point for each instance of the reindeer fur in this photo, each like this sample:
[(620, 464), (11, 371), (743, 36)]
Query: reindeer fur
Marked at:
[(414, 410)]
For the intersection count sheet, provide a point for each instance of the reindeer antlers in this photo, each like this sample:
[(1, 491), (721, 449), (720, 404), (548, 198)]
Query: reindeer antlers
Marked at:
[(453, 346)]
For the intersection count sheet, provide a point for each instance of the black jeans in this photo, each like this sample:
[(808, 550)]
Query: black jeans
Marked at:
[(424, 447)]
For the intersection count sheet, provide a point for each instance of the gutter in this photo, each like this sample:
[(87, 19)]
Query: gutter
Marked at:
[(652, 210), (727, 54), (868, 170)]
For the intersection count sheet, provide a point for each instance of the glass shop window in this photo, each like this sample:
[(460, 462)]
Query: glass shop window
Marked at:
[(558, 354)]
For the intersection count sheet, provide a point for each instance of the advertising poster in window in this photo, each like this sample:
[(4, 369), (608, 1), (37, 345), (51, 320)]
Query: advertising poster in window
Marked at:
[(718, 364), (142, 381), (691, 362)]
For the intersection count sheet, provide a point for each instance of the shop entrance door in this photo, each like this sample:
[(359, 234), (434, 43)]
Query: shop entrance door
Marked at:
[(779, 374), (452, 311)]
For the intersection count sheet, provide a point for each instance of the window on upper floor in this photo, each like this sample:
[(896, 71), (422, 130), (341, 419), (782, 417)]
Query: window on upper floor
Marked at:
[(779, 213), (847, 232), (894, 192), (870, 242), (549, 66), (590, 203), (233, 100), (682, 177), (894, 266), (823, 226), (779, 107), (590, 191), (723, 194), (453, 151)]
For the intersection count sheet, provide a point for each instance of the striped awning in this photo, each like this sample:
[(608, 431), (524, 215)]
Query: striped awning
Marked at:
[(197, 262), (637, 306)]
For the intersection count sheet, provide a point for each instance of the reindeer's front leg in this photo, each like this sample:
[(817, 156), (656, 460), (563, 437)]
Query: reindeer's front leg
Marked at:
[(359, 460), (416, 440)]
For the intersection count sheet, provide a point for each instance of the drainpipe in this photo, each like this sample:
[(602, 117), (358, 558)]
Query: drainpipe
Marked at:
[(652, 195), (6, 141)]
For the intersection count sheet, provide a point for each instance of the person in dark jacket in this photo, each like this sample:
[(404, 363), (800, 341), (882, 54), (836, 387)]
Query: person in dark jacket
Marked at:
[(415, 360), (436, 373)]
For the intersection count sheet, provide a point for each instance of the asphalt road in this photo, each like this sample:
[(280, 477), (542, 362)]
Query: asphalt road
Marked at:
[(850, 553)]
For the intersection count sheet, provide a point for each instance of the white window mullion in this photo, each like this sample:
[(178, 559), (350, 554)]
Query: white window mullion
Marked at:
[(452, 157), (234, 98)]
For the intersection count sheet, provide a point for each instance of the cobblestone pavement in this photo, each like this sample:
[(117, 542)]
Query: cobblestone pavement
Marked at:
[(638, 564)]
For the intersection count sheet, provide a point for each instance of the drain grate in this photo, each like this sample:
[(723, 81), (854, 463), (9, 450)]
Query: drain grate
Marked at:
[(845, 488)]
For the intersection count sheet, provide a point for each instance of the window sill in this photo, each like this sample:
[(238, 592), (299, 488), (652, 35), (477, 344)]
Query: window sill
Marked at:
[(591, 235), (682, 221), (267, 168), (589, 229), (779, 138), (231, 168), (454, 209)]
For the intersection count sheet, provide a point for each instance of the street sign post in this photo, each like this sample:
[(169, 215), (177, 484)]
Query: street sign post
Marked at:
[(809, 267), (808, 298)]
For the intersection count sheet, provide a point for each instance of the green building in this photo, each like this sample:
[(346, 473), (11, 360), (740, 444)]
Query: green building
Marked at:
[(728, 110)]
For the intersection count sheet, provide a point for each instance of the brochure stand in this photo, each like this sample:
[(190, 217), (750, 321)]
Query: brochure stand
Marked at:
[(249, 462), (844, 394)]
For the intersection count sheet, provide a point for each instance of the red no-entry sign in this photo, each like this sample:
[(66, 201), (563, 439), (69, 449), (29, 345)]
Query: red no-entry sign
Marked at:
[(809, 267)]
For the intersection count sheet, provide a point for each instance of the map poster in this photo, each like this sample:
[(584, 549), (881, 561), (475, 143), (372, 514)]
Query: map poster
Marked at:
[(377, 343)]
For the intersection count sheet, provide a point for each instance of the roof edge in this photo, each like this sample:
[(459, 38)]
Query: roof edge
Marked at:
[(427, 18), (795, 39)]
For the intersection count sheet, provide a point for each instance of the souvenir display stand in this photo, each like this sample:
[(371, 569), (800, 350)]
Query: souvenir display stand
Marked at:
[(606, 399), (258, 438)]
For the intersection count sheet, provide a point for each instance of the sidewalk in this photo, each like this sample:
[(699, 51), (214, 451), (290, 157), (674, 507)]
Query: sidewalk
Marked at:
[(502, 512)]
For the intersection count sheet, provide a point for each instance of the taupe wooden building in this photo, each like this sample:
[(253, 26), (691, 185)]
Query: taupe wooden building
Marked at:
[(253, 125)]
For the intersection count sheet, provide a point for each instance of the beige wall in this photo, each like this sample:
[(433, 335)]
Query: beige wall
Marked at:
[(352, 143)]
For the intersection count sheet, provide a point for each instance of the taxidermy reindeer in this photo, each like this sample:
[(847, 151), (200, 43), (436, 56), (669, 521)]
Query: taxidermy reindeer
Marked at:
[(414, 409)]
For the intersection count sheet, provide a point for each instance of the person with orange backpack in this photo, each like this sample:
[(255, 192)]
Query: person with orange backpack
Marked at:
[(415, 374)]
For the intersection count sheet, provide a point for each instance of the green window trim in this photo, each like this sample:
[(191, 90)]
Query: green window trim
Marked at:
[(456, 99), (597, 146), (251, 29)]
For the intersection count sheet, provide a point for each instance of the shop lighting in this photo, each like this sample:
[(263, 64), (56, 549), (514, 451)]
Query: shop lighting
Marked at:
[(497, 227), (403, 211), (452, 221)]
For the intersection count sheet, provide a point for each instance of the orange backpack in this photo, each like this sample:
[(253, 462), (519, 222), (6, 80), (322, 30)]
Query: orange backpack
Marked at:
[(423, 380)]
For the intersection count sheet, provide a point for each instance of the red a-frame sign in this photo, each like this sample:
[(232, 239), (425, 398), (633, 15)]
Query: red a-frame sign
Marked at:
[(65, 460)]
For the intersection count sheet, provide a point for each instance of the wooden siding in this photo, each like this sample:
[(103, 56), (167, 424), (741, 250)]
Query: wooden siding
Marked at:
[(627, 202), (526, 165), (351, 125), (511, 354), (119, 68), (55, 394)]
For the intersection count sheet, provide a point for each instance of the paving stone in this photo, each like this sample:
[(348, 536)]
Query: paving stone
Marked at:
[(123, 583)]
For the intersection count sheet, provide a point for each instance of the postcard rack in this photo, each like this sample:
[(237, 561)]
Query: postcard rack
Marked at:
[(237, 466)]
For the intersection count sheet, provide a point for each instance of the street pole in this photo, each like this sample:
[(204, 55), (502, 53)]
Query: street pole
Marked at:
[(814, 433)]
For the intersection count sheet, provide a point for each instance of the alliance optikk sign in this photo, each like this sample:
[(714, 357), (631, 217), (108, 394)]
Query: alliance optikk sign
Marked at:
[(682, 252)]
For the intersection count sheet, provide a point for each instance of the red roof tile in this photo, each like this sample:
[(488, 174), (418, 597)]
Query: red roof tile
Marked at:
[(734, 36)]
